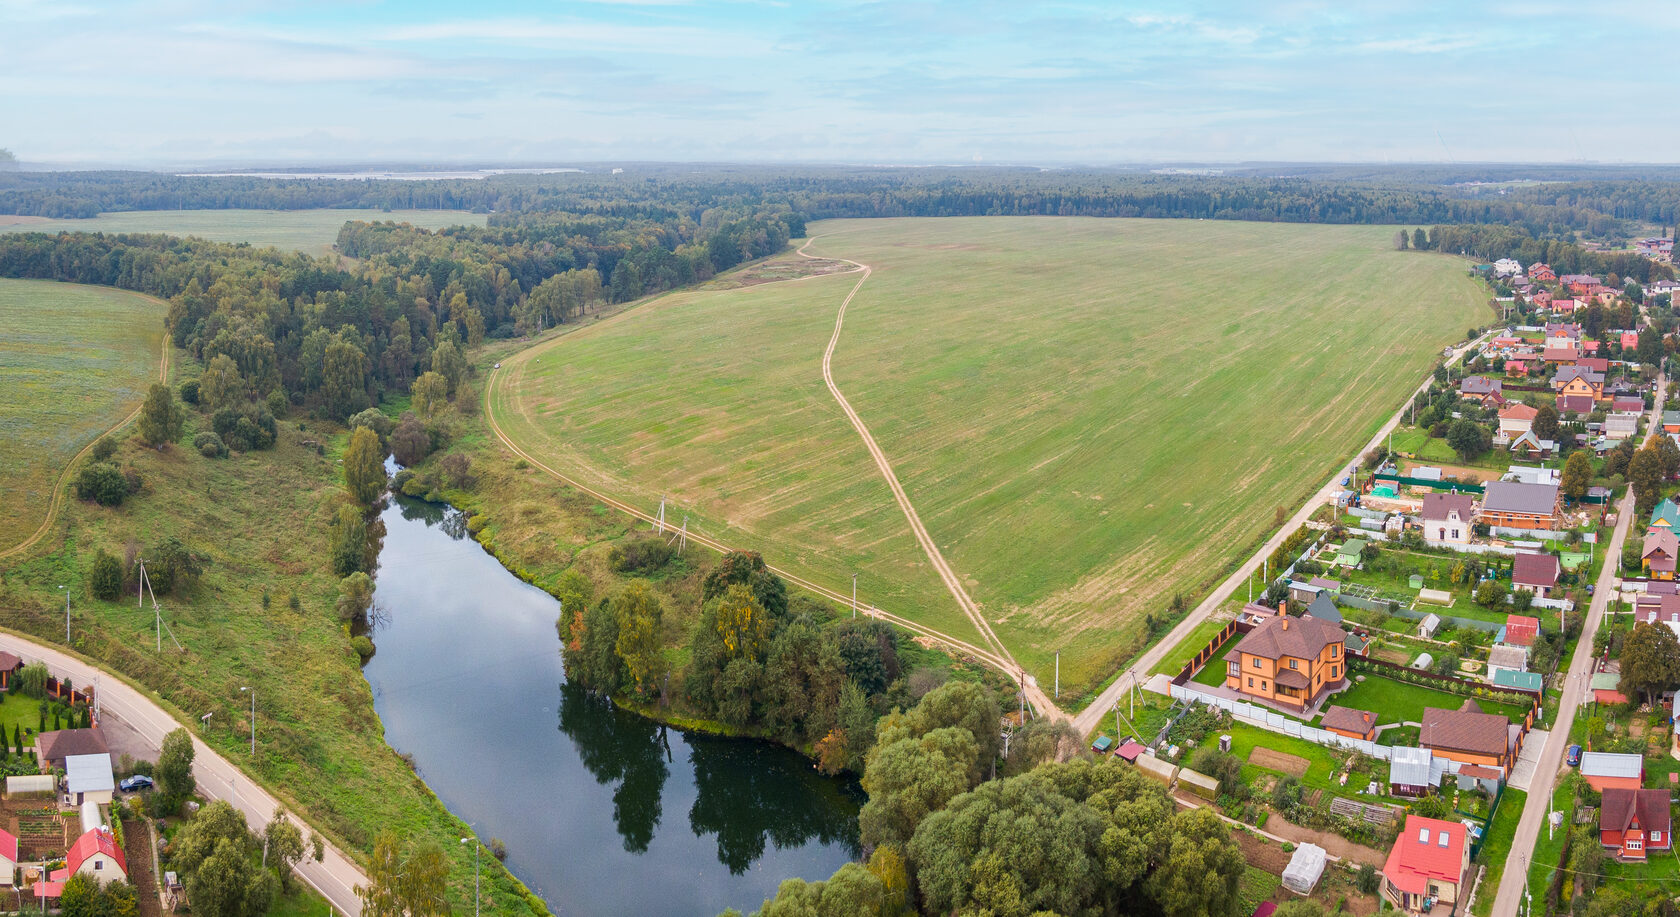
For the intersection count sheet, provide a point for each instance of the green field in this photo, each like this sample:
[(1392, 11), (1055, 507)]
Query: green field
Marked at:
[(1089, 415), (312, 232), (74, 360)]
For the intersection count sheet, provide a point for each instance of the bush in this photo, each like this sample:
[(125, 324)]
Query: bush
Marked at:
[(104, 448), (245, 428), (375, 420), (277, 403), (103, 483), (1366, 881), (641, 555), (410, 443), (189, 392), (105, 580), (210, 445), (363, 647)]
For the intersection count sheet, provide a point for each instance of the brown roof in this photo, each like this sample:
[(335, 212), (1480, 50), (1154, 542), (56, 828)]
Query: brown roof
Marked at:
[(1291, 678), (1436, 507), (1535, 569), (1518, 411), (1663, 540), (1464, 730), (1348, 719), (63, 743), (1277, 637), (1476, 770), (1621, 805), (9, 661)]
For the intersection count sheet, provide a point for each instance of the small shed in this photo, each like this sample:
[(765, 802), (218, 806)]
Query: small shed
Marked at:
[(1607, 688), (1129, 751), (1411, 771), (1102, 745), (1415, 581), (1305, 867), (1475, 776), (1430, 623), (1200, 784), (1157, 768), (88, 778)]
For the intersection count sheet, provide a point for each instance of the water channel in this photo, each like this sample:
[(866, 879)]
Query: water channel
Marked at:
[(603, 812)]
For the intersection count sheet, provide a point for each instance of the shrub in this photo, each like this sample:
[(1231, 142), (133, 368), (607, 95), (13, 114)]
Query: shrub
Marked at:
[(641, 555), (189, 392), (245, 428), (375, 420), (410, 443), (210, 445), (498, 849), (277, 403), (103, 483), (363, 647), (105, 580), (1366, 881), (104, 448)]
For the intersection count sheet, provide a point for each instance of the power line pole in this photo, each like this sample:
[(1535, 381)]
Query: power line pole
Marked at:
[(1058, 674), (854, 595)]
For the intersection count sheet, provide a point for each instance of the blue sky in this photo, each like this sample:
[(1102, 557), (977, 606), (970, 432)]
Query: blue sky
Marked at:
[(183, 81)]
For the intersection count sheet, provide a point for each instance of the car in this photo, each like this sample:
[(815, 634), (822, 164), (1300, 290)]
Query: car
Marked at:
[(1574, 758), (136, 782)]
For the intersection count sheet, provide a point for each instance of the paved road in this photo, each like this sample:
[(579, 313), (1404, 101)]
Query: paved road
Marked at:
[(1087, 720), (335, 877), (1515, 877)]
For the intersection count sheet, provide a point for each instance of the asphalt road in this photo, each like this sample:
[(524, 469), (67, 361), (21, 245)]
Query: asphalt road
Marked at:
[(1515, 877), (1088, 719), (335, 877)]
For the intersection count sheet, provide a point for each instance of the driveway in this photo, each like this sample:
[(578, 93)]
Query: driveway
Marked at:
[(1528, 761)]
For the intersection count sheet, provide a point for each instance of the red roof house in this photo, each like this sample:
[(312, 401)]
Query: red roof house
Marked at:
[(1536, 572), (1594, 364), (1540, 270), (1630, 340), (1427, 862), (1521, 630), (1633, 822), (96, 853), (1625, 404)]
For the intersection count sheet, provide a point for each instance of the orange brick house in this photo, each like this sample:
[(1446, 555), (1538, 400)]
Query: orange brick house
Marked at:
[(1633, 822), (1511, 504), (1288, 661), (1468, 736)]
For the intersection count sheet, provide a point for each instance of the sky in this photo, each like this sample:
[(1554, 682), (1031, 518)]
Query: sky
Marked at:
[(270, 83)]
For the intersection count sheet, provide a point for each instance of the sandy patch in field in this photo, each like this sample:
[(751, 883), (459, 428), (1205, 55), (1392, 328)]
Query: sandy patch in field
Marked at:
[(1293, 765), (15, 219)]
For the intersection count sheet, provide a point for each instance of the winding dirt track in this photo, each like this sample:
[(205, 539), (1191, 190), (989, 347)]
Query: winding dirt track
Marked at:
[(993, 654), (59, 486)]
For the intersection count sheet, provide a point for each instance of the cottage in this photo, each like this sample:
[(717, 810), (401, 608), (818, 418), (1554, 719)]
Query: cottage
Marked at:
[(1520, 506), (1426, 865), (96, 854), (1607, 688), (88, 778), (1413, 772), (1481, 390), (1618, 427), (1447, 518), (1666, 515), (10, 665), (1288, 661), (1627, 404), (1574, 404), (1505, 657), (1605, 770), (1516, 368), (1354, 724), (1350, 552), (1467, 735), (1521, 630), (1565, 306), (1515, 420), (1538, 573), (8, 857), (1578, 379), (51, 748), (1541, 272), (1506, 267), (1562, 334), (1563, 356), (1629, 340), (1657, 554), (1633, 822)]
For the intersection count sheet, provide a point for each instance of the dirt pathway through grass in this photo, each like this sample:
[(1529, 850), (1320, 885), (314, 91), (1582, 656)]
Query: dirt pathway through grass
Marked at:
[(60, 486)]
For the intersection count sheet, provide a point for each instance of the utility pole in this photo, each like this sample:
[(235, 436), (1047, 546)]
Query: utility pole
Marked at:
[(253, 719)]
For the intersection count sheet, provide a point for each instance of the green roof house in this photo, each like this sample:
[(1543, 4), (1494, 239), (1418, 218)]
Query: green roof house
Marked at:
[(1526, 681), (1348, 554), (1666, 515)]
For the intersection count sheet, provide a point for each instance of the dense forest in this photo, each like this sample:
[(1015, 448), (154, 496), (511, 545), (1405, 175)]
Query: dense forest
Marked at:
[(1546, 201)]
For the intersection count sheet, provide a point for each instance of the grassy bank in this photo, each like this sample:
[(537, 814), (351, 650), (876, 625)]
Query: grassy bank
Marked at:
[(261, 521)]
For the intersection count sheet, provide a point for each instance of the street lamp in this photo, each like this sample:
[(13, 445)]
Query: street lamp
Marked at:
[(253, 719), (476, 845)]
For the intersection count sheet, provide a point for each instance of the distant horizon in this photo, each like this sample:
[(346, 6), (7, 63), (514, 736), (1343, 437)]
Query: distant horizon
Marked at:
[(194, 82)]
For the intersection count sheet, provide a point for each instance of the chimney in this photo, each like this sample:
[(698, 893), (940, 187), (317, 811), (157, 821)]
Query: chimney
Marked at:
[(1286, 623)]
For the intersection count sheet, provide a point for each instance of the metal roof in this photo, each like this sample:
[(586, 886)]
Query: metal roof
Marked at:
[(1409, 766), (89, 773), (1509, 678), (1611, 764)]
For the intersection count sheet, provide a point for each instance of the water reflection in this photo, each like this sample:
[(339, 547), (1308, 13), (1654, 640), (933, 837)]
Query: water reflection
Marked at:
[(582, 807)]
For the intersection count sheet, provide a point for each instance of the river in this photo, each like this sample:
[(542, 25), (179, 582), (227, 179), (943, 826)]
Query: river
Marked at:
[(603, 812)]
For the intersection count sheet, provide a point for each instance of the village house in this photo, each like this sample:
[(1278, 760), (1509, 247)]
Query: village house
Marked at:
[(1578, 380), (1565, 306), (1634, 822), (1505, 267), (1354, 724), (96, 854), (10, 665), (1482, 390), (1522, 681), (1563, 356), (1605, 770), (1515, 419), (1580, 283), (88, 778), (1541, 272), (51, 748), (1628, 404), (1516, 368), (1607, 688), (1562, 334), (1618, 427), (1447, 518), (1513, 505), (1666, 515), (1538, 573), (1530, 446), (1574, 404), (1542, 299), (1657, 555), (1468, 736), (1629, 340), (1287, 661), (1600, 365), (1521, 630), (1426, 865), (1505, 657), (1671, 422), (1413, 772)]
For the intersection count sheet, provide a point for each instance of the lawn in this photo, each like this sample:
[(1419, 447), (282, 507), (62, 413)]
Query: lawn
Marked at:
[(1496, 846), (1322, 761), (310, 231), (18, 710), (1076, 466), (1187, 649), (1398, 702), (74, 361)]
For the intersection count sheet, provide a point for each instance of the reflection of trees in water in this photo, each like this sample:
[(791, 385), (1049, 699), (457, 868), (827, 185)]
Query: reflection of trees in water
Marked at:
[(750, 792), (619, 747), (445, 517)]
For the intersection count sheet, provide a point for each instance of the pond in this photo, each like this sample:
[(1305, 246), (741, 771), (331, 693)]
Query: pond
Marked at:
[(603, 812)]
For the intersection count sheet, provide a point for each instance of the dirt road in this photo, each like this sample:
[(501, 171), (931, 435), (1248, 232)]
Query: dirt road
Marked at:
[(1088, 719), (1515, 877), (335, 877)]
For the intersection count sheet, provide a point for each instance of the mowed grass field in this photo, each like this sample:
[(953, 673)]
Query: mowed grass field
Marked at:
[(1090, 415), (312, 232), (74, 360)]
